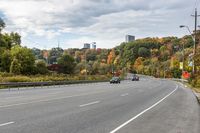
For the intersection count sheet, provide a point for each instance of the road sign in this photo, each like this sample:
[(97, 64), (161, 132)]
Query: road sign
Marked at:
[(190, 63), (181, 65), (186, 74)]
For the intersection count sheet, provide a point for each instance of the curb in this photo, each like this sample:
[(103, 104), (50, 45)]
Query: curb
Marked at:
[(197, 96)]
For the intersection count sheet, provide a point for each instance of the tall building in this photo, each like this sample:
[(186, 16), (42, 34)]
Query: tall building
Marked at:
[(94, 46), (130, 38), (86, 46)]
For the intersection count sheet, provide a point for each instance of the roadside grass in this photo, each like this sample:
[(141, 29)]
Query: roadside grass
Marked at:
[(48, 80), (196, 89), (54, 77)]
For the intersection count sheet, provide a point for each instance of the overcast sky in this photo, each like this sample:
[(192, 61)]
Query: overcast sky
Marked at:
[(73, 22)]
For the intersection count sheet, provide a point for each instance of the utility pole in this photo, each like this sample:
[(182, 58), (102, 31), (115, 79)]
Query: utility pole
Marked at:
[(194, 49)]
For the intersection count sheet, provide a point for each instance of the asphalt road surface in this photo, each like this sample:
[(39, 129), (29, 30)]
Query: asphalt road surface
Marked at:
[(145, 106)]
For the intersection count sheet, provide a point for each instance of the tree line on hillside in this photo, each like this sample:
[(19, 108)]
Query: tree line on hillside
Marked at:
[(159, 57)]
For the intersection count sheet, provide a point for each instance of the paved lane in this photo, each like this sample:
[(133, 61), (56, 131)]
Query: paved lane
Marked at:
[(150, 105)]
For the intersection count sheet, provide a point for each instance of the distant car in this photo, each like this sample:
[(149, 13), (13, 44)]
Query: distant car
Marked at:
[(135, 78), (115, 80)]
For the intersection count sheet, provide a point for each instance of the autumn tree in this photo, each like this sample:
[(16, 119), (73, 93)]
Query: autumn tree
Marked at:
[(111, 57)]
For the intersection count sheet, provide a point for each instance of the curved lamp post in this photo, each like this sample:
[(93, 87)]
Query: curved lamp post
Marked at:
[(194, 40)]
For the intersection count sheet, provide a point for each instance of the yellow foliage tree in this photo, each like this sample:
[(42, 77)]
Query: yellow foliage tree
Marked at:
[(111, 57)]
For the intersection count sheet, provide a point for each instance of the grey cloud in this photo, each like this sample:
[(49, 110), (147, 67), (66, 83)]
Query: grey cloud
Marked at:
[(85, 12), (100, 18)]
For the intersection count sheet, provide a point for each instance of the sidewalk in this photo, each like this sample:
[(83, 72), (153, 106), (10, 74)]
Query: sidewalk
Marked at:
[(197, 95)]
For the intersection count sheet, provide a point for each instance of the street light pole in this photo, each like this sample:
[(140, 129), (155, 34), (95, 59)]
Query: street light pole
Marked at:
[(194, 47), (183, 61), (85, 66), (194, 40)]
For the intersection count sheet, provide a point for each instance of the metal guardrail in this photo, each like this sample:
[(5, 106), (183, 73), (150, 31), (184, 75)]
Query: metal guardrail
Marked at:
[(9, 85)]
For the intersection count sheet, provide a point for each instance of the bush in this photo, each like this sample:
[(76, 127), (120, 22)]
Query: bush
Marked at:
[(195, 82), (6, 77), (41, 67), (16, 79), (198, 83), (176, 72), (5, 74)]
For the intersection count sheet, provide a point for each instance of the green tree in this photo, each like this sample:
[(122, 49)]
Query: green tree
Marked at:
[(176, 72), (15, 67), (67, 64), (91, 55), (54, 54), (38, 53), (9, 40), (25, 58), (144, 52), (2, 25), (197, 61), (41, 67), (6, 61), (15, 38)]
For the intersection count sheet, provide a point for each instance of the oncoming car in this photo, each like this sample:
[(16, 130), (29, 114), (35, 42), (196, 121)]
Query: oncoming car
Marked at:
[(115, 80), (135, 78)]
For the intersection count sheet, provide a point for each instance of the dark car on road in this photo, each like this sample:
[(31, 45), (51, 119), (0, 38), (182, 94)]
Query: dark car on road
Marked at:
[(135, 78), (115, 80)]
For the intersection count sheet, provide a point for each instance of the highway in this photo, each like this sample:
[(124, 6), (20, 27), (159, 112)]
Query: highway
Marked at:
[(146, 106)]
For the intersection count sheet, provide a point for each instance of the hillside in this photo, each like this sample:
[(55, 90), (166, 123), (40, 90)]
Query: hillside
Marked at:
[(159, 57)]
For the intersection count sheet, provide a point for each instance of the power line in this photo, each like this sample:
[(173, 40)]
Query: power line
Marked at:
[(196, 3)]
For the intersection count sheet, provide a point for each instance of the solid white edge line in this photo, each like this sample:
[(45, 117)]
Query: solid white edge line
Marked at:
[(127, 122), (8, 123), (83, 105)]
